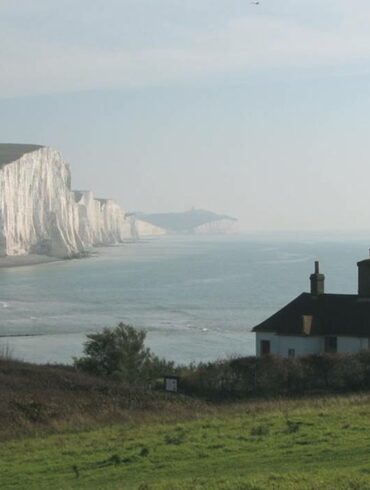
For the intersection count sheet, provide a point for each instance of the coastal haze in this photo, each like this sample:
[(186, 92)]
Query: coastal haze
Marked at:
[(255, 111)]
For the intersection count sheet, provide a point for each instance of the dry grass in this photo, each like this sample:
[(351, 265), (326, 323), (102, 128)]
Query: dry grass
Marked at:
[(6, 353), (59, 398), (51, 398)]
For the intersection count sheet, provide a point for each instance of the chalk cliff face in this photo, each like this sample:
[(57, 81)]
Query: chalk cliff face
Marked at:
[(100, 221), (40, 214), (194, 221), (144, 228), (220, 227), (140, 228)]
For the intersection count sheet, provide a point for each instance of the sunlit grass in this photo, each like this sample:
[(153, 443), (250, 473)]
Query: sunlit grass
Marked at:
[(323, 443)]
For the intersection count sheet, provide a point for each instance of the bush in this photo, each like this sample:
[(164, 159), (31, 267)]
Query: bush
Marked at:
[(212, 380), (259, 430), (276, 376), (121, 352), (364, 360), (245, 370)]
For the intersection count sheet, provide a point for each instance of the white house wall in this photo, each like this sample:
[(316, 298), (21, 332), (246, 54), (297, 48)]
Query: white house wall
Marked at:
[(280, 344), (352, 344)]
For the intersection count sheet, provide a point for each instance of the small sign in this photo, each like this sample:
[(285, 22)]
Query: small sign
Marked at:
[(171, 384)]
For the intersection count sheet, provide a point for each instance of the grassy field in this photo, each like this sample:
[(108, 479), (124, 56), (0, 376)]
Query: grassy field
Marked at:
[(313, 444)]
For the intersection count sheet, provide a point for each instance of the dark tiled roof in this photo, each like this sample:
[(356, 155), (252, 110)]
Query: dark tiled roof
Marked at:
[(10, 152), (327, 314)]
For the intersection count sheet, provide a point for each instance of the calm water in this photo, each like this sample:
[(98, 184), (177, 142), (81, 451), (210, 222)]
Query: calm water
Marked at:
[(198, 297)]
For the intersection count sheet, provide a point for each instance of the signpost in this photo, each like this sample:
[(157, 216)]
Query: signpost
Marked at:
[(171, 384)]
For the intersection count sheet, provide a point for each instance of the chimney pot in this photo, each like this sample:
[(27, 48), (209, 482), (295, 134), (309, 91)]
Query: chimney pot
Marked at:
[(364, 278), (317, 281)]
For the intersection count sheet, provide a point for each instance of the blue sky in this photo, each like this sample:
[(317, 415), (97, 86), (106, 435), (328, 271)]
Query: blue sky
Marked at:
[(261, 112)]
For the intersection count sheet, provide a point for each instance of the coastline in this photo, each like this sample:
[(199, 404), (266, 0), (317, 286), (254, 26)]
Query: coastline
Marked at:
[(25, 260)]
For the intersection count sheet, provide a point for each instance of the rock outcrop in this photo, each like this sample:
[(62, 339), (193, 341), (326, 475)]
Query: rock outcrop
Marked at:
[(39, 213)]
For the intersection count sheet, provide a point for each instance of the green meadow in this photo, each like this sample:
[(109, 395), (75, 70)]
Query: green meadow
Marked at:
[(320, 443)]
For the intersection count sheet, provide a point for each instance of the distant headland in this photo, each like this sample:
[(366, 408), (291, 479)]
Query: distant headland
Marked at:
[(194, 221)]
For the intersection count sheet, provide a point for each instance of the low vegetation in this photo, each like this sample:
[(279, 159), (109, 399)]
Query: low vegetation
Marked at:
[(273, 376), (247, 424), (120, 352), (42, 399), (314, 444)]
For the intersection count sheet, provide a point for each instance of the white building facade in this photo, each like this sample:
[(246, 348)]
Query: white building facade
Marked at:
[(317, 323), (291, 345)]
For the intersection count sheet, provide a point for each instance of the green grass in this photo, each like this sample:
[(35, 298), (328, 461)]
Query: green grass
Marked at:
[(322, 444)]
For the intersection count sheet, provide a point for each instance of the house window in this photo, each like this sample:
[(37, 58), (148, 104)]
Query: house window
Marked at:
[(291, 352), (330, 344), (265, 347)]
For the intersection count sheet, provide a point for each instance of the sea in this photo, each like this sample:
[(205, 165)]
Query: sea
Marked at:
[(197, 297)]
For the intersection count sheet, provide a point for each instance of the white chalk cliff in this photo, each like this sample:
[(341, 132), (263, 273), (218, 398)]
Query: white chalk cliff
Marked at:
[(194, 221), (219, 227), (39, 213), (144, 228), (140, 228), (100, 221)]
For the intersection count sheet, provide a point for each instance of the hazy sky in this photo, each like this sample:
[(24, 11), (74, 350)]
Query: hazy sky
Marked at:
[(261, 112)]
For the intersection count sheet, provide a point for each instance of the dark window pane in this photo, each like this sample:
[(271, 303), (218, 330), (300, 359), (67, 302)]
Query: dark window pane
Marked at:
[(265, 347), (330, 344)]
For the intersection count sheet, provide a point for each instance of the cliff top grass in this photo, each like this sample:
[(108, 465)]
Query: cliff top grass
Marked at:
[(10, 152), (60, 428), (307, 445), (46, 399)]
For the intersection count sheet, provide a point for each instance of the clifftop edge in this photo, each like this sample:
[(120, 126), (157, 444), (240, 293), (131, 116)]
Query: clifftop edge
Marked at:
[(10, 152)]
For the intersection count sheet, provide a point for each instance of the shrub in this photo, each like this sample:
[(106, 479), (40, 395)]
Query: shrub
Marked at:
[(298, 376), (212, 380), (176, 438), (271, 376), (114, 459), (144, 452), (292, 427), (245, 370), (121, 352), (276, 376), (320, 366), (6, 353), (346, 372), (259, 430), (363, 358)]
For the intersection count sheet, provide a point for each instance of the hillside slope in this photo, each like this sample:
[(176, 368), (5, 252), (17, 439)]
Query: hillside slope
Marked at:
[(159, 443)]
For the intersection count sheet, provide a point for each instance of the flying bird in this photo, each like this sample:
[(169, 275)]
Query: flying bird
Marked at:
[(256, 3)]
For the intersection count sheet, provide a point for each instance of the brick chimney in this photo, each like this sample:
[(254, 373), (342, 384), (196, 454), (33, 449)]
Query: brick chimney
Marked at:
[(364, 278), (317, 281)]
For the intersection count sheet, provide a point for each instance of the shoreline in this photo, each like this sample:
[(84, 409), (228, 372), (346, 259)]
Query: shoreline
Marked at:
[(26, 260)]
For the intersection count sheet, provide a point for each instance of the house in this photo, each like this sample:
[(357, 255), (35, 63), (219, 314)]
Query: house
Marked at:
[(317, 322)]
